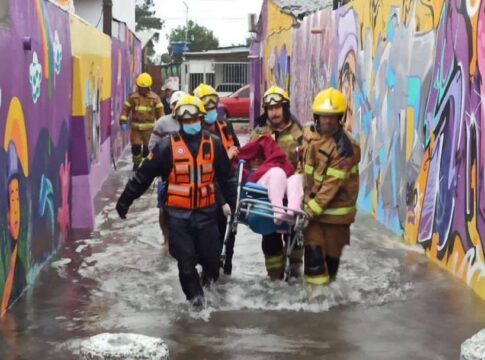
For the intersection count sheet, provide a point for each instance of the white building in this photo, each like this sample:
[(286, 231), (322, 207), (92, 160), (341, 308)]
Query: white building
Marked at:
[(92, 11)]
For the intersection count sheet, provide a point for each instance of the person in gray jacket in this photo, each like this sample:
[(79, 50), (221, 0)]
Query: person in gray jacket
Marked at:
[(164, 126)]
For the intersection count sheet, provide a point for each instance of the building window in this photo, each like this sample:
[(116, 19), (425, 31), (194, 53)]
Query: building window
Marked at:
[(4, 12)]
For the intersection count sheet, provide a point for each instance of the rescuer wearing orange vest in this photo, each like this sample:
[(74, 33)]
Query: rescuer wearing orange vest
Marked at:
[(145, 107), (190, 161), (224, 130), (331, 186)]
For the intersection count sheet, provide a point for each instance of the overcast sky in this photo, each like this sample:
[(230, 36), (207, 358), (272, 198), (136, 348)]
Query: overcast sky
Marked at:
[(228, 19)]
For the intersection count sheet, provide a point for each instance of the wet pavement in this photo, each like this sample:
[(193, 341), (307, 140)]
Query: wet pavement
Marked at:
[(389, 302)]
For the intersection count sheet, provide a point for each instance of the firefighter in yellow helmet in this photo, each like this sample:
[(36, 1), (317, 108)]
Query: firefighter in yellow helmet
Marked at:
[(145, 107), (190, 161), (224, 130), (330, 157), (285, 129)]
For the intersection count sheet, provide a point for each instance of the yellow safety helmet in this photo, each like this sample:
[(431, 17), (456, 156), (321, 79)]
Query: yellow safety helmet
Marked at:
[(329, 102), (275, 95), (189, 107), (144, 80), (208, 95)]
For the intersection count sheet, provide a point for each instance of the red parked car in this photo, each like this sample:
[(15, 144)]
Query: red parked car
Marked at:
[(235, 105)]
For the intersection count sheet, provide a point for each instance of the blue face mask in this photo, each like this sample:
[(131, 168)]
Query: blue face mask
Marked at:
[(192, 129), (211, 117)]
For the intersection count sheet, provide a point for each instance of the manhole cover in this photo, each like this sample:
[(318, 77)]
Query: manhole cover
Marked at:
[(123, 346)]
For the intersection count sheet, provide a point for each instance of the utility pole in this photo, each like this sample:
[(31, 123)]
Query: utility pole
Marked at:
[(186, 25), (107, 16)]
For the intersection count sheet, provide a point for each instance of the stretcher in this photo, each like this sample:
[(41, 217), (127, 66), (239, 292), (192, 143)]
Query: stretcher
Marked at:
[(254, 209)]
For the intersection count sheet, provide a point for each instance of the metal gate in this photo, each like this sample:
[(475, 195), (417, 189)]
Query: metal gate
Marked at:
[(225, 77)]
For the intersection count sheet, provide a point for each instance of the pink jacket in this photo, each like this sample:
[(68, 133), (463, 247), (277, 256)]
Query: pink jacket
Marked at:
[(270, 151)]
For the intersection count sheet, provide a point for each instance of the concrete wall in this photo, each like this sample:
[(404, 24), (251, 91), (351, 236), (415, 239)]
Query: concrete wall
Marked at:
[(412, 71), (51, 84)]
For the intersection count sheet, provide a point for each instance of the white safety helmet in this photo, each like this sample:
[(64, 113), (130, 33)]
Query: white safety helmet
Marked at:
[(176, 96)]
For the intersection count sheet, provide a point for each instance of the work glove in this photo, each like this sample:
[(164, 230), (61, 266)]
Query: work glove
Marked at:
[(308, 211), (122, 208), (226, 209)]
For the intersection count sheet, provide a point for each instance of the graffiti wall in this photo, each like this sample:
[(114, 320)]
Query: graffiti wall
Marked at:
[(56, 77), (277, 48), (412, 71), (35, 98)]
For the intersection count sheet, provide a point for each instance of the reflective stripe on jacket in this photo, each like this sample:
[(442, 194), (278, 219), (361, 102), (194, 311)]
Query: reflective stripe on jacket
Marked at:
[(143, 110), (191, 182), (330, 166)]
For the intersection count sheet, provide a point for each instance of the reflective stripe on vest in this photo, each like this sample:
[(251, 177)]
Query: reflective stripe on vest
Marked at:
[(191, 182), (127, 104), (227, 139)]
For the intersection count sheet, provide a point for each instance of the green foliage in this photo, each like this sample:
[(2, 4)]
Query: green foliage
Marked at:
[(200, 37), (146, 20), (145, 16)]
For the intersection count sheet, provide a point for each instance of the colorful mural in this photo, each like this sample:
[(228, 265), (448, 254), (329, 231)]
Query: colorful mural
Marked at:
[(55, 127), (34, 121), (412, 71), (277, 47)]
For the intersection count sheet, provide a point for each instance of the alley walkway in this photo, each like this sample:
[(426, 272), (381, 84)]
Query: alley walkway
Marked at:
[(389, 302)]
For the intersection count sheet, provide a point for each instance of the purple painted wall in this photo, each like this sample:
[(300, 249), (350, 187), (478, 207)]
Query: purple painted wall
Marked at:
[(35, 106), (41, 142)]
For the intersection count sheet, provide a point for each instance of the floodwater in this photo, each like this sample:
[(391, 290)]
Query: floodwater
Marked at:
[(389, 301)]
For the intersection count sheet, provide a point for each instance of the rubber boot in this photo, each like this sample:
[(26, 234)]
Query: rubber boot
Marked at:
[(275, 266)]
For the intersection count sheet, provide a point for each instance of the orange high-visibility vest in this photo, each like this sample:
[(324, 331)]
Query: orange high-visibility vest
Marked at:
[(227, 139), (191, 182)]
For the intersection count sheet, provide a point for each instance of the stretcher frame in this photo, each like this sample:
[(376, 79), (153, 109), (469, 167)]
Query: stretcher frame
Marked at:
[(295, 224)]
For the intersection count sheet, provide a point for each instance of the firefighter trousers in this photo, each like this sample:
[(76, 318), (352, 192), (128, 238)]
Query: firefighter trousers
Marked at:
[(324, 244), (273, 250), (139, 144), (195, 240)]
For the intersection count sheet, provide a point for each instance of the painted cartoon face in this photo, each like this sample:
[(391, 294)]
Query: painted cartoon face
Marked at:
[(13, 214)]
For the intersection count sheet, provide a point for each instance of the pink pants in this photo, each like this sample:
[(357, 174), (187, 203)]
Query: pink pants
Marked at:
[(277, 183)]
